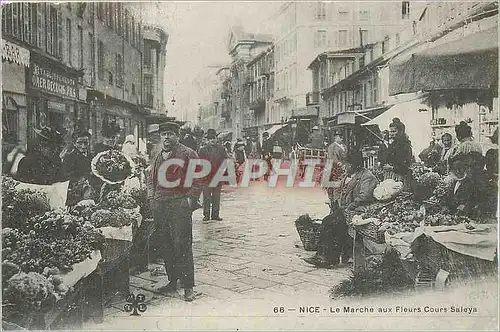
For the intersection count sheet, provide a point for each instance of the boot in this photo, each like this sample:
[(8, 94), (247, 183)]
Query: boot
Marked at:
[(189, 295)]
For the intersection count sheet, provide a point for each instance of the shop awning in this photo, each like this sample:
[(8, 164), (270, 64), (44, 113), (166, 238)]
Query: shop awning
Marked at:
[(416, 117), (15, 53), (275, 128), (467, 63)]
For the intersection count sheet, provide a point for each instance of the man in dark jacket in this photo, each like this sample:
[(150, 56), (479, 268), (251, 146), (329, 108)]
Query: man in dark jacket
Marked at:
[(173, 208), (215, 153), (42, 164), (76, 166)]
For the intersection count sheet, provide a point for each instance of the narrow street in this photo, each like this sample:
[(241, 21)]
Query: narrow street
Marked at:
[(251, 263)]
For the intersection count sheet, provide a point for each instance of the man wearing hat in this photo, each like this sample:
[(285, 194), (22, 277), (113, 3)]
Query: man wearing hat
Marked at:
[(215, 153), (76, 166), (316, 139), (336, 154), (172, 209), (42, 164), (110, 132)]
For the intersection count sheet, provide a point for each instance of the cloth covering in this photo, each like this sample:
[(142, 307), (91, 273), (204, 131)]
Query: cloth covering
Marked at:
[(480, 242), (467, 63)]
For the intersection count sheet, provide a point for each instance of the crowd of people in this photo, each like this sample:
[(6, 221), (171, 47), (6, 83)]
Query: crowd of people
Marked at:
[(472, 193), (47, 162)]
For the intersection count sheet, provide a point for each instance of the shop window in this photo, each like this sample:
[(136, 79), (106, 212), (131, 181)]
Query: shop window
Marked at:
[(320, 38), (364, 15)]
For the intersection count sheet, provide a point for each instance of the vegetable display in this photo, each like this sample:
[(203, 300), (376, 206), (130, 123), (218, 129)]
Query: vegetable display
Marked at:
[(112, 166)]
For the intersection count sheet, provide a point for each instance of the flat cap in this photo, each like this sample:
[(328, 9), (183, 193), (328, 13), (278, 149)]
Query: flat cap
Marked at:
[(153, 128), (168, 126)]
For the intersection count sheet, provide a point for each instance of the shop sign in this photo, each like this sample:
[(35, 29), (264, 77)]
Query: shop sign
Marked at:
[(346, 118), (52, 80), (15, 53)]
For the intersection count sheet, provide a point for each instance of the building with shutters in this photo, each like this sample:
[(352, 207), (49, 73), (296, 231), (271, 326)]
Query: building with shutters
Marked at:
[(305, 29), (66, 62)]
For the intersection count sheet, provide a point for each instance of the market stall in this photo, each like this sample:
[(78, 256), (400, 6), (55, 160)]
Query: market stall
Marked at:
[(60, 263), (413, 239)]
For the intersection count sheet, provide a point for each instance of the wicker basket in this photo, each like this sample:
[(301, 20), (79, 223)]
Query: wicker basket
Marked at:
[(433, 256), (309, 235), (371, 232)]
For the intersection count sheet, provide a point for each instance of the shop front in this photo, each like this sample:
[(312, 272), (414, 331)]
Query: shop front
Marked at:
[(105, 109), (53, 96), (15, 61)]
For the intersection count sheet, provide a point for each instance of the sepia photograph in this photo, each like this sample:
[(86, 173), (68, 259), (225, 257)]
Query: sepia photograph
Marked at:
[(250, 165)]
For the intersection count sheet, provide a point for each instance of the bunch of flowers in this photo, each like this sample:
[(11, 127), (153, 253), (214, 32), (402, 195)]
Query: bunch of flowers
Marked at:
[(18, 206), (112, 166)]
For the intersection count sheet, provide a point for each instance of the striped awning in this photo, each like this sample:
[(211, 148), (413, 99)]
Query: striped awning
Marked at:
[(15, 53)]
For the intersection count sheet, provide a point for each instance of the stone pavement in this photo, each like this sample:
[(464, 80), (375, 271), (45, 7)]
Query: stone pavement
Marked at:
[(250, 271), (254, 253)]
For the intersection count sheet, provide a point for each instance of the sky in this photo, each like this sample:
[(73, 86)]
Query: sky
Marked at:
[(198, 33)]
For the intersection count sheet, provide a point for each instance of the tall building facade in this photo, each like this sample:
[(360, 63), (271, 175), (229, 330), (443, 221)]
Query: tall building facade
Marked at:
[(242, 48), (304, 29), (63, 63)]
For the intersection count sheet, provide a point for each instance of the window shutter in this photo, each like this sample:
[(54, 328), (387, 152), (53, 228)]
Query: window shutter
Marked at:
[(59, 34)]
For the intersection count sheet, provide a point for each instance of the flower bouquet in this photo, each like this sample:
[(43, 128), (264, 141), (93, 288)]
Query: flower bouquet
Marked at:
[(112, 166)]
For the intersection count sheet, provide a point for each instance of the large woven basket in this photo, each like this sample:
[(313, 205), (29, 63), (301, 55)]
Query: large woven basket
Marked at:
[(309, 235), (371, 232)]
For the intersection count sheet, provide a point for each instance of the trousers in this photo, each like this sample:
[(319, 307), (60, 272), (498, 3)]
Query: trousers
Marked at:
[(174, 228), (211, 201), (334, 241)]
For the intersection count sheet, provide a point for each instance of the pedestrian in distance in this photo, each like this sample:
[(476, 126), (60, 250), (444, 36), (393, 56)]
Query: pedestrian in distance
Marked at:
[(215, 154), (173, 208)]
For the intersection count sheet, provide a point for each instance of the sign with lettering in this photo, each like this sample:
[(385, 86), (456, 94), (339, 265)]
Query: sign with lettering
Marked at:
[(15, 53), (346, 118), (53, 80)]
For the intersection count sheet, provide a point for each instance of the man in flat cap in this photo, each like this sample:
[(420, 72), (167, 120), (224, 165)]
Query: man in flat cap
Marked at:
[(173, 208), (215, 153)]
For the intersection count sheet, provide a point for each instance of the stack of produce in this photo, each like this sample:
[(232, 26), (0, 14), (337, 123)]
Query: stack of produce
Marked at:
[(442, 189)]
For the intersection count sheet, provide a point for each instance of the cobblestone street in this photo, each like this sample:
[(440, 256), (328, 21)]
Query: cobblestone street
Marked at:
[(251, 263)]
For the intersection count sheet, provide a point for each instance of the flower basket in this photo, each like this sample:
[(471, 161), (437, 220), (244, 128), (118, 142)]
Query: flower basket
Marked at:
[(112, 167), (309, 232)]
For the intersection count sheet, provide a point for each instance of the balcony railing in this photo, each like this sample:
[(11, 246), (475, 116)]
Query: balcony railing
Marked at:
[(312, 98)]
